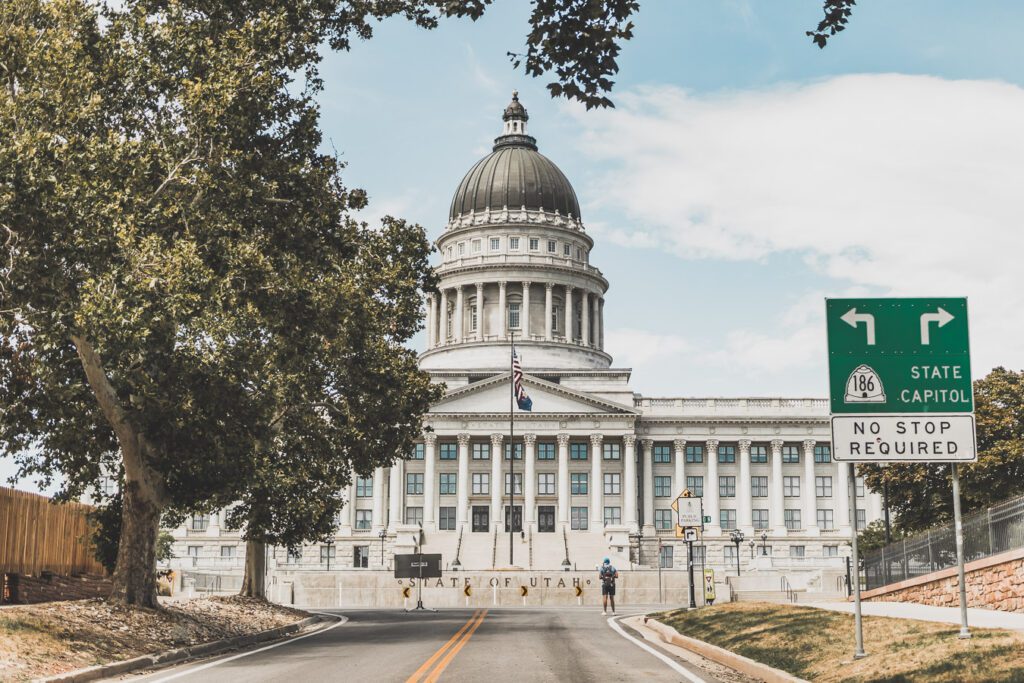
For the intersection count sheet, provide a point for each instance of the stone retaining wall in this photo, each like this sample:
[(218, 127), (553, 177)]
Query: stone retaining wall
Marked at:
[(995, 582)]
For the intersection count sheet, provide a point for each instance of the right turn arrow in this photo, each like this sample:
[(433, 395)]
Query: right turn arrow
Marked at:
[(942, 316)]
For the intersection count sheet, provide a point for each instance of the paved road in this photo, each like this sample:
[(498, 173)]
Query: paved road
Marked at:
[(451, 645)]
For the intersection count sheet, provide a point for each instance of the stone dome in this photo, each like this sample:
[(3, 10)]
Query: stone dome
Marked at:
[(515, 175)]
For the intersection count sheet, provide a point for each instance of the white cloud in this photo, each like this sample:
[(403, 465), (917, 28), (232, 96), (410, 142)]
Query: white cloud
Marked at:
[(632, 347), (907, 185)]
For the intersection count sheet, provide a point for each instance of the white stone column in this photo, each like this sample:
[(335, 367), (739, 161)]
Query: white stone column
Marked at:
[(395, 496), (480, 311), (711, 506), (744, 520), (497, 483), (648, 471), (548, 310), (778, 520), (529, 481), (429, 480), (809, 491), (585, 309), (348, 513), (462, 482), (430, 321), (629, 485), (502, 311), (563, 479), (570, 321), (596, 483), (679, 483), (442, 323), (524, 315), (595, 321), (841, 491), (460, 318), (380, 494), (352, 502), (601, 307)]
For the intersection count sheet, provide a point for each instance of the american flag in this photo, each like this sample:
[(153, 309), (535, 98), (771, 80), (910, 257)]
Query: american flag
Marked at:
[(524, 401)]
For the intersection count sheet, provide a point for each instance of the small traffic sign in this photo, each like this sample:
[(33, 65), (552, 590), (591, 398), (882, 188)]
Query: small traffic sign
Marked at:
[(689, 511), (899, 356), (903, 438), (690, 535), (707, 519)]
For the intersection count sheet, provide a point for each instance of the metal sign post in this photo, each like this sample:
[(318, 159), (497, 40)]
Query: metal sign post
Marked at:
[(858, 625), (959, 527)]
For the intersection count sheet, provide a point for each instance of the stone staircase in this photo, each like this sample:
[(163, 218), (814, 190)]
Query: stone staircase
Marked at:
[(548, 551), (477, 551), (521, 545)]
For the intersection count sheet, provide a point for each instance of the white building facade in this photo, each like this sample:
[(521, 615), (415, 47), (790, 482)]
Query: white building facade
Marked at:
[(596, 465)]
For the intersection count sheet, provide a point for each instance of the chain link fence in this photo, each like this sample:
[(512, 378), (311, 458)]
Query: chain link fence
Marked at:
[(988, 532)]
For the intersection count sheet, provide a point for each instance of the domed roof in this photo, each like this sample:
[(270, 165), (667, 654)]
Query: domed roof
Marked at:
[(515, 175)]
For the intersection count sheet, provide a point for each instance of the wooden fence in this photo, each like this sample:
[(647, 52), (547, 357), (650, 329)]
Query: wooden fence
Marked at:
[(37, 535)]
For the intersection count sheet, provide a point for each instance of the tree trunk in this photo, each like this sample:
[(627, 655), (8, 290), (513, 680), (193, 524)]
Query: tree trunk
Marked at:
[(254, 585), (134, 581)]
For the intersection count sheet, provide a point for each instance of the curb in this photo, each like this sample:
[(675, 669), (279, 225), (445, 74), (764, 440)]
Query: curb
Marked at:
[(99, 671), (720, 655)]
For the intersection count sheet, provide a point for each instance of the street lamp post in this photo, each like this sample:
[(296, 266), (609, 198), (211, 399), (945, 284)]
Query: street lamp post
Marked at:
[(737, 537), (382, 535), (752, 544), (764, 548)]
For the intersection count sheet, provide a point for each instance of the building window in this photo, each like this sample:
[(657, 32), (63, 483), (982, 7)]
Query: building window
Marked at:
[(578, 483), (566, 250), (555, 326), (797, 551), (448, 322), (446, 519), (759, 455), (473, 319), (448, 483), (364, 519), (546, 484), (830, 551), (227, 551), (294, 556), (662, 454), (476, 246), (519, 483), (825, 521), (696, 486), (518, 449), (663, 519), (730, 554), (823, 487), (577, 451), (513, 243), (513, 315), (791, 487), (727, 454), (551, 246), (759, 487), (790, 455), (822, 454), (545, 451), (699, 554), (578, 518), (665, 557), (662, 487), (792, 518), (449, 253), (727, 487), (417, 452), (414, 483), (759, 519), (200, 522), (364, 487), (361, 556), (612, 515), (462, 248), (612, 451), (859, 486), (534, 244), (449, 451), (612, 483), (495, 243), (414, 515), (481, 483), (327, 553), (862, 519), (727, 519), (694, 454), (481, 451), (579, 254)]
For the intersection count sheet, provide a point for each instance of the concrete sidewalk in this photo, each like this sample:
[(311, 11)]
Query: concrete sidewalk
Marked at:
[(976, 617)]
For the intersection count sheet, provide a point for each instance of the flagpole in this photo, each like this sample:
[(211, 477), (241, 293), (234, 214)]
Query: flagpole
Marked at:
[(511, 450)]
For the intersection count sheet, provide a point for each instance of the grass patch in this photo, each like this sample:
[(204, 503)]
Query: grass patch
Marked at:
[(817, 645)]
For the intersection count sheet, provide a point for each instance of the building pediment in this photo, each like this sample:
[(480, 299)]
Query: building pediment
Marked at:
[(491, 396)]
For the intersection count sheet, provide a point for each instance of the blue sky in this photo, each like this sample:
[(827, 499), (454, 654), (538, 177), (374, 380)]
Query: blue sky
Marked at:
[(743, 176)]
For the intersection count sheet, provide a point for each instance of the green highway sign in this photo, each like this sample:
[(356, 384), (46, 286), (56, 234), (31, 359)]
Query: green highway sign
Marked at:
[(898, 356)]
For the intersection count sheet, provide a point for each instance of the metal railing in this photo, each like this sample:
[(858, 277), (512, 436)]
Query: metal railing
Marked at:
[(988, 532)]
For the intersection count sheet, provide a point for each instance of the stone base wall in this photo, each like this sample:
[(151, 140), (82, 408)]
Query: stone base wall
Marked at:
[(995, 582)]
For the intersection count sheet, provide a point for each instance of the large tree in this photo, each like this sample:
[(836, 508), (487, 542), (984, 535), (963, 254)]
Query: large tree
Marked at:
[(921, 496)]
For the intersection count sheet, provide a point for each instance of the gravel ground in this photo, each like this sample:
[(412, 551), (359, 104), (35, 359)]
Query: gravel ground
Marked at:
[(46, 639)]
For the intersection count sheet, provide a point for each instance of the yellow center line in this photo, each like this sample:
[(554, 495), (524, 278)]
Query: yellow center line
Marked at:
[(430, 662), (443, 664)]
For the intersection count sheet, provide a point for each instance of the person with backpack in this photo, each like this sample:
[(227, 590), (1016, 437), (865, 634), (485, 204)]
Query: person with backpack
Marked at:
[(608, 574)]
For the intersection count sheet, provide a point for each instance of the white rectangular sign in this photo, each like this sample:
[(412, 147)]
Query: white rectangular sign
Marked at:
[(921, 437), (690, 512)]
